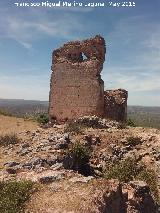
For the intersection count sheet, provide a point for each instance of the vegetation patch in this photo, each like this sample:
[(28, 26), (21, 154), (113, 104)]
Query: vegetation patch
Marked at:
[(131, 122), (133, 141), (5, 112), (74, 127), (13, 195), (9, 139), (129, 170), (77, 158), (150, 178), (42, 118), (124, 171)]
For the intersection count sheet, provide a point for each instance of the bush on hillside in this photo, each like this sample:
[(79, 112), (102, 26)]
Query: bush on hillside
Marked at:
[(13, 195), (149, 176), (133, 141), (130, 122), (124, 171), (9, 139), (129, 170), (77, 158), (5, 112), (42, 118), (74, 127)]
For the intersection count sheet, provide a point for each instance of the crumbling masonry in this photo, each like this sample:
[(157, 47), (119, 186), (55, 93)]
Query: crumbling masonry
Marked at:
[(76, 87)]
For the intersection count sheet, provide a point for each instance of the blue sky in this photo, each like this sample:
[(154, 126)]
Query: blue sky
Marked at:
[(28, 36)]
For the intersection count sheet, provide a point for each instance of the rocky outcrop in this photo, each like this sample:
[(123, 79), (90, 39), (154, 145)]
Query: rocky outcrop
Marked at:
[(40, 156), (89, 195), (138, 197)]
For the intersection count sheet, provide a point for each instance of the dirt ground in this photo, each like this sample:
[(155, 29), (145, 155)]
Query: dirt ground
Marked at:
[(15, 125), (9, 125)]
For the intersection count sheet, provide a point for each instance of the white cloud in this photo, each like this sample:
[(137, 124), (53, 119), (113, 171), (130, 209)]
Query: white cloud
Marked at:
[(131, 82), (32, 25), (137, 71), (140, 72)]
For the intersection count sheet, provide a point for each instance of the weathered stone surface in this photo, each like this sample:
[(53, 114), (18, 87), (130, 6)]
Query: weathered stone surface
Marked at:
[(116, 104), (81, 179), (139, 199), (76, 85)]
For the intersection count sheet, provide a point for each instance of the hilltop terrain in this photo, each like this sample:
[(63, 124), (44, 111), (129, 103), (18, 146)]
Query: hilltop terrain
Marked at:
[(141, 115), (90, 165)]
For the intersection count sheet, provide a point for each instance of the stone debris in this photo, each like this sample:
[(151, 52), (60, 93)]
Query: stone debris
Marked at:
[(138, 198), (49, 177), (45, 162), (46, 176), (81, 179), (97, 122)]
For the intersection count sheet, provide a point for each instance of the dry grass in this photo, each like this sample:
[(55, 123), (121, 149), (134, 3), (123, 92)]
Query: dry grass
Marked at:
[(65, 196), (9, 139), (15, 125), (12, 125)]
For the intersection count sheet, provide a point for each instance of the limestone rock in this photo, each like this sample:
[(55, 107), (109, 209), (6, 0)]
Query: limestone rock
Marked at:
[(139, 199)]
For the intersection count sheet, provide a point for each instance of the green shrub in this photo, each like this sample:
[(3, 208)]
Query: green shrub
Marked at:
[(42, 118), (124, 171), (133, 141), (149, 176), (9, 139), (5, 112), (129, 170), (74, 127), (13, 195), (80, 151), (77, 158), (130, 122)]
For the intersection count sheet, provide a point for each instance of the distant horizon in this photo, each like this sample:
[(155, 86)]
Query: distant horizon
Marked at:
[(16, 99), (28, 35)]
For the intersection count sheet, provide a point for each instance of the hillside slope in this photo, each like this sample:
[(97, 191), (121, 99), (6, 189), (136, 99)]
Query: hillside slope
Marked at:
[(42, 157)]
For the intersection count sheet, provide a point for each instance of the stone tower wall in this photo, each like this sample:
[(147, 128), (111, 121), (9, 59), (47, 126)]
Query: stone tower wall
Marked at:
[(115, 104), (76, 85)]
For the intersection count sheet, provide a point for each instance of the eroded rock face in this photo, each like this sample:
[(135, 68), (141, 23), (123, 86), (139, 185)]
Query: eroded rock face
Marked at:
[(139, 199), (76, 85), (116, 104)]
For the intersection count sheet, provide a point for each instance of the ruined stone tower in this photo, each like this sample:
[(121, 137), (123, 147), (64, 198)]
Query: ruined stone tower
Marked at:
[(115, 104), (76, 87)]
